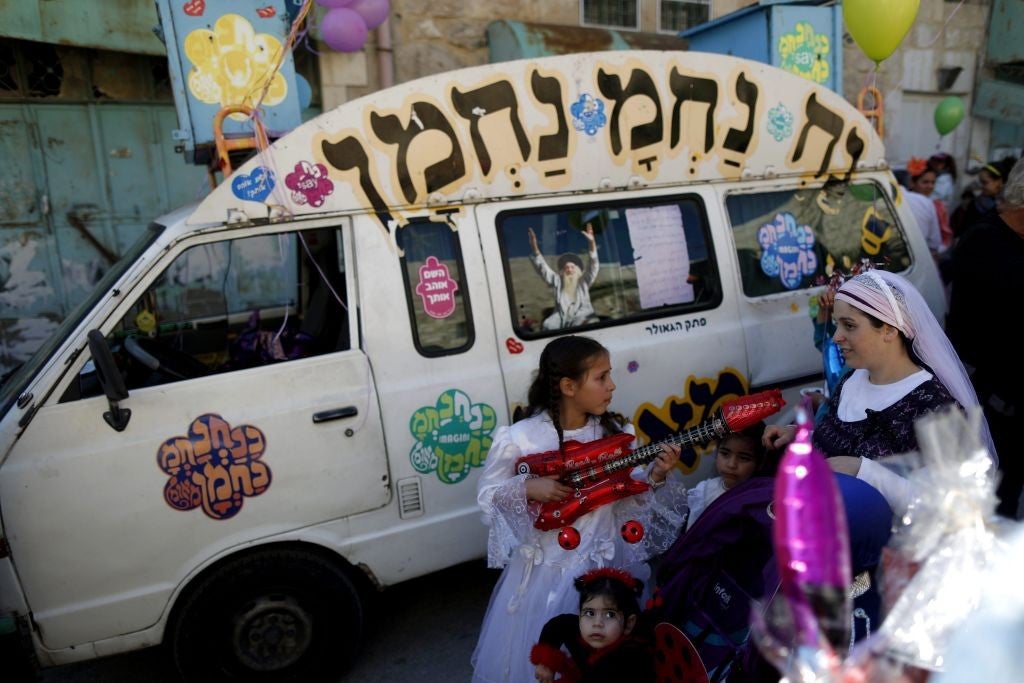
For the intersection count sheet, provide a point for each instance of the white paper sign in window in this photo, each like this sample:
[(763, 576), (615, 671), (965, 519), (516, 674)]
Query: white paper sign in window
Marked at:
[(660, 254)]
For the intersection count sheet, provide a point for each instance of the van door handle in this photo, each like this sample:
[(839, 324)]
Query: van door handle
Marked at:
[(335, 414)]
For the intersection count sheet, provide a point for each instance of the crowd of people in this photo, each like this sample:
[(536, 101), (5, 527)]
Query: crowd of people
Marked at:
[(576, 615)]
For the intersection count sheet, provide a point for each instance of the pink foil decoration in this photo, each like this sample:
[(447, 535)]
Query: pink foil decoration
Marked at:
[(812, 545)]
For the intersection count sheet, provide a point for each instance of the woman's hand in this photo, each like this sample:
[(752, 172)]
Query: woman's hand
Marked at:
[(544, 674), (778, 436), (665, 461), (546, 489)]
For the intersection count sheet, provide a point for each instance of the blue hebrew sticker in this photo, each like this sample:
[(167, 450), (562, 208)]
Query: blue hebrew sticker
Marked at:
[(787, 250), (254, 187), (588, 114), (780, 122)]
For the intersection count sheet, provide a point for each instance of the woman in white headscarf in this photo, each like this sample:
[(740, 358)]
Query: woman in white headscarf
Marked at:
[(903, 368)]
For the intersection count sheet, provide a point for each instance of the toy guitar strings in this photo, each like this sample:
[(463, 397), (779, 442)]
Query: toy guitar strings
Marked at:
[(599, 471)]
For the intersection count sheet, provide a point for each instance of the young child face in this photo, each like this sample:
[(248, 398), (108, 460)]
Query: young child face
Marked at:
[(602, 623), (593, 392), (735, 460)]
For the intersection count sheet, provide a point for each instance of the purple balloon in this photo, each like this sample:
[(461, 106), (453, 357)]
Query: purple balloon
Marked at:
[(343, 30), (373, 12), (330, 4)]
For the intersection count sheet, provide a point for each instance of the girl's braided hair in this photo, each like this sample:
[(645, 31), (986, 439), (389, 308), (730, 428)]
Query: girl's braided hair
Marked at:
[(571, 357)]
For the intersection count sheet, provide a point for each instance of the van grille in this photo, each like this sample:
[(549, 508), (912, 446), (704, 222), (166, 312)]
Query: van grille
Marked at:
[(410, 498)]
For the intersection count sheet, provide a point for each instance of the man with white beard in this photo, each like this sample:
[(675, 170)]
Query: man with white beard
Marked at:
[(571, 283)]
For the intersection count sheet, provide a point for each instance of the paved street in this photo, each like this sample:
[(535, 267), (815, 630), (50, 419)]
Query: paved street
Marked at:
[(423, 630)]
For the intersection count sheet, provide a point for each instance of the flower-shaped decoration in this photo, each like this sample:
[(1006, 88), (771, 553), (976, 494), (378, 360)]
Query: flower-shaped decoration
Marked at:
[(452, 436), (232, 64), (787, 250), (215, 466), (916, 166), (588, 114), (309, 183), (780, 122)]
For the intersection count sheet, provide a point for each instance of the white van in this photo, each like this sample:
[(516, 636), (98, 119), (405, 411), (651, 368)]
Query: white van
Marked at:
[(282, 397)]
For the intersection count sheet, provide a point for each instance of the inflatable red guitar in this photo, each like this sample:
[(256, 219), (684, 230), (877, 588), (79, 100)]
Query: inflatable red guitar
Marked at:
[(600, 470)]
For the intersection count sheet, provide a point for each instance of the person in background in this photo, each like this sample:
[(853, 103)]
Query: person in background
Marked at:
[(602, 641), (988, 285), (737, 457), (903, 367), (991, 178), (568, 401), (945, 179), (921, 181)]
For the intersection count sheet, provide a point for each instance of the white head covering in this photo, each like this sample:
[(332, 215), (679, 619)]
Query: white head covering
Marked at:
[(893, 300)]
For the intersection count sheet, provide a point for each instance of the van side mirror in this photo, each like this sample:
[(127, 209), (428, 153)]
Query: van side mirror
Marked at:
[(110, 379)]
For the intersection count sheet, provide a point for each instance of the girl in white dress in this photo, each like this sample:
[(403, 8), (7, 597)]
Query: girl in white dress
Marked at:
[(568, 401)]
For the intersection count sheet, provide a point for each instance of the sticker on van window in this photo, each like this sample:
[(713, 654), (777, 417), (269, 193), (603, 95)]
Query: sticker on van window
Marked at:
[(255, 186), (452, 437), (787, 250), (214, 467), (436, 288)]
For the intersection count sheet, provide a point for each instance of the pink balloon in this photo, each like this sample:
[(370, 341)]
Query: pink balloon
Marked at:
[(334, 3), (373, 12), (343, 30)]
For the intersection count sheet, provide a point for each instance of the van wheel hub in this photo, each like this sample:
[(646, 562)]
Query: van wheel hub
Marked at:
[(272, 633)]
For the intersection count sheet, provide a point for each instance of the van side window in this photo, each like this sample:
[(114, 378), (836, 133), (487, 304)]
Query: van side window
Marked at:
[(232, 305), (786, 239), (435, 288), (605, 264)]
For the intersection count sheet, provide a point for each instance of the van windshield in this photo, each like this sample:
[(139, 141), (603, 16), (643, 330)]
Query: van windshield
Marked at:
[(15, 381)]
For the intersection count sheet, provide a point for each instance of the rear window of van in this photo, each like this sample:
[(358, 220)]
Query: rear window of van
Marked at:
[(791, 239)]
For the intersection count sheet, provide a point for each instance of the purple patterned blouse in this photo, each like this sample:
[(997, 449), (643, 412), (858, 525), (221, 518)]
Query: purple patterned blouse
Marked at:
[(884, 432)]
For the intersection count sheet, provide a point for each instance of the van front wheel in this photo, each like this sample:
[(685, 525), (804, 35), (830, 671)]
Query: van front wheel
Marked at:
[(280, 615)]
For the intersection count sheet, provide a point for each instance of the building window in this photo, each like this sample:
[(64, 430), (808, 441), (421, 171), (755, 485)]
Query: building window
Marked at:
[(611, 13), (679, 15)]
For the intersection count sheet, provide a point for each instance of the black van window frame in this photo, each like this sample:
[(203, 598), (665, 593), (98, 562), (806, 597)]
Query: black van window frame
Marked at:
[(461, 294), (708, 298)]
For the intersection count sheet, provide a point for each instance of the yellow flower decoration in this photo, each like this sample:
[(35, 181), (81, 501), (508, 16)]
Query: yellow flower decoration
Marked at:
[(233, 63)]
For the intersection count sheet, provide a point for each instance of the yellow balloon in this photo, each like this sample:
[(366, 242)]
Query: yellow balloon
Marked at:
[(879, 26)]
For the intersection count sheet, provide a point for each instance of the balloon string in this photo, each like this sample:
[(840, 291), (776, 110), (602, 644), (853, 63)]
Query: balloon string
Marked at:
[(944, 25), (285, 49)]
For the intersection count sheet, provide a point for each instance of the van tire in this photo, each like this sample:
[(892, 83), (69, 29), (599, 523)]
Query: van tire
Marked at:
[(277, 615)]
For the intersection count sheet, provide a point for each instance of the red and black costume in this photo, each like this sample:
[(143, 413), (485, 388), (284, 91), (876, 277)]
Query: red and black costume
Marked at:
[(631, 658)]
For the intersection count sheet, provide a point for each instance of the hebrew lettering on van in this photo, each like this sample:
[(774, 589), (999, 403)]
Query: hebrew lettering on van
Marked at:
[(452, 436), (436, 288), (825, 120), (214, 467), (548, 90), (692, 89), (642, 115), (348, 154), (737, 140), (805, 53), (475, 105), (699, 399), (424, 119), (787, 250)]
